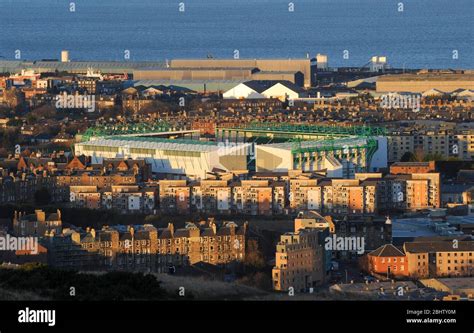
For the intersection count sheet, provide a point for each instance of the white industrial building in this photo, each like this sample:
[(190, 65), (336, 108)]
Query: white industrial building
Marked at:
[(265, 89), (245, 90), (190, 158), (284, 90)]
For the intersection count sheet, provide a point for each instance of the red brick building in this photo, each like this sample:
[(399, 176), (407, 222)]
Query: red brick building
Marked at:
[(387, 260), (408, 168)]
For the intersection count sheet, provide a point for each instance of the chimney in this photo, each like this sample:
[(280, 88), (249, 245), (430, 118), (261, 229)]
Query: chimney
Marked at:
[(171, 228), (40, 215), (58, 211)]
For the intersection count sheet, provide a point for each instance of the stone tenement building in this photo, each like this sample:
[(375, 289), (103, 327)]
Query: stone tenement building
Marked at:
[(38, 224), (147, 248), (301, 261), (21, 187)]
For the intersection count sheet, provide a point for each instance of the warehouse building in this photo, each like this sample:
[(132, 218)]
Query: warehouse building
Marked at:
[(79, 67), (273, 67), (425, 81), (195, 74), (199, 86), (248, 90), (174, 158), (281, 90), (217, 74)]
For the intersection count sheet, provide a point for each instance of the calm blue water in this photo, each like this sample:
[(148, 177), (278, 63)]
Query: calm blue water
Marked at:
[(423, 35)]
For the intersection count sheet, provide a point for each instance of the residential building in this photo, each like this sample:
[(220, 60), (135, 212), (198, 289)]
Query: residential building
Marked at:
[(147, 248), (38, 224), (299, 261), (387, 261)]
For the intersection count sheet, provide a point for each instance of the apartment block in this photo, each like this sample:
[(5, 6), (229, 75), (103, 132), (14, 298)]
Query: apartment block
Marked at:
[(125, 199), (129, 199), (440, 258), (253, 197), (299, 261), (447, 143), (211, 196), (174, 196)]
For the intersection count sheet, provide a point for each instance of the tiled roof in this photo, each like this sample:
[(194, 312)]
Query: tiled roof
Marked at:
[(387, 250)]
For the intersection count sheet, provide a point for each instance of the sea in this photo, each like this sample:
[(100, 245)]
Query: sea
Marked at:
[(410, 33)]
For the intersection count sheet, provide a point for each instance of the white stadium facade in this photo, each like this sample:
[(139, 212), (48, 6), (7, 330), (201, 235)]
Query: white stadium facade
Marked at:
[(178, 157), (342, 157)]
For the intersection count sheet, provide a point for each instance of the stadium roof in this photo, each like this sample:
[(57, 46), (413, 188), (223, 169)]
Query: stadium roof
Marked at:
[(154, 143), (330, 130), (339, 142)]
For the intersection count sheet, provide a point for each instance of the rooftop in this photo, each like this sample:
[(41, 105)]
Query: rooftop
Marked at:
[(103, 66), (321, 144), (387, 250), (154, 143), (438, 246), (427, 77)]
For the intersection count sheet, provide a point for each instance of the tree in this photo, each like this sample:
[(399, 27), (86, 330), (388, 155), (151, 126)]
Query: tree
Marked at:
[(408, 157), (42, 196), (31, 119), (14, 122), (254, 257)]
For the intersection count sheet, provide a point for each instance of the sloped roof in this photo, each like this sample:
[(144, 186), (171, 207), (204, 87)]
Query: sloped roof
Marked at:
[(387, 250), (433, 92), (260, 85), (289, 85)]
